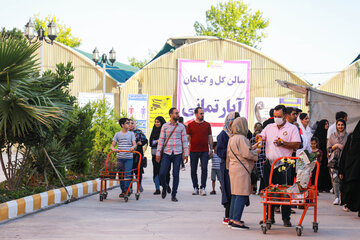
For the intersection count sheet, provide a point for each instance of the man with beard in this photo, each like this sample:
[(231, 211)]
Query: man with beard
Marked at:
[(200, 138), (173, 148)]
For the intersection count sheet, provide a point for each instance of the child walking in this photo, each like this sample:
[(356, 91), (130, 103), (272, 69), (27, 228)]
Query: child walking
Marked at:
[(215, 169)]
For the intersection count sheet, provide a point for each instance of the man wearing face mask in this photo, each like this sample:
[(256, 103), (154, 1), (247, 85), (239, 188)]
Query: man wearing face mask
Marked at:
[(281, 139)]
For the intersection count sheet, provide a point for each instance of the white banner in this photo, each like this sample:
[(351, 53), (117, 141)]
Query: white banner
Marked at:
[(219, 87), (137, 109), (262, 106), (85, 98)]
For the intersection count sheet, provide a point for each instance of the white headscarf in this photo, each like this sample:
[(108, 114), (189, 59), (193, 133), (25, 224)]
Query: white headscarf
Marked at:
[(306, 137)]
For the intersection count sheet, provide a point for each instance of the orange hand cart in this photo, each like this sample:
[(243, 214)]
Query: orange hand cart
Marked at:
[(306, 199), (109, 174)]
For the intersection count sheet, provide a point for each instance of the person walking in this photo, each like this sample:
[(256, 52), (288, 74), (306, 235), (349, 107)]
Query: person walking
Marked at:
[(200, 138), (141, 141), (240, 162), (305, 132), (324, 181), (126, 141), (154, 138), (335, 146), (261, 157), (221, 149), (215, 169), (172, 148), (281, 138), (349, 172)]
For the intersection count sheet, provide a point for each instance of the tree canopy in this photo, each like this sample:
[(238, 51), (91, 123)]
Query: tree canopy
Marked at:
[(64, 34), (234, 20)]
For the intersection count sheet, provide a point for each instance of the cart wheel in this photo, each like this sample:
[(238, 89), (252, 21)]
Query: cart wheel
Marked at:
[(137, 195), (268, 226), (315, 227), (105, 195), (126, 198), (101, 198), (299, 230), (264, 229)]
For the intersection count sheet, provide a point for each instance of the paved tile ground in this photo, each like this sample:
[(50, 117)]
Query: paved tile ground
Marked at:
[(193, 217)]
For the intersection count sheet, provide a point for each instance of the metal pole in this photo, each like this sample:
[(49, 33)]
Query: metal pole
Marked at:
[(104, 78), (41, 58)]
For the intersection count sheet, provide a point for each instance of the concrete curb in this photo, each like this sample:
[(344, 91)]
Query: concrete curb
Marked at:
[(30, 204)]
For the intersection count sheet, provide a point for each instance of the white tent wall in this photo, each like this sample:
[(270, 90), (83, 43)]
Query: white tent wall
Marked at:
[(325, 105)]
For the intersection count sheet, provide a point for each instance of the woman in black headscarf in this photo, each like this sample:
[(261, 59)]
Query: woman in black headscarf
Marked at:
[(324, 182), (154, 137), (349, 172)]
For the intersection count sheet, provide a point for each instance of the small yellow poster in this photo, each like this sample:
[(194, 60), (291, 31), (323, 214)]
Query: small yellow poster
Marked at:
[(159, 106)]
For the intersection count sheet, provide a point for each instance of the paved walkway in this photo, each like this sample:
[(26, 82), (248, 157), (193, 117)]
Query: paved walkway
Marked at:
[(193, 217)]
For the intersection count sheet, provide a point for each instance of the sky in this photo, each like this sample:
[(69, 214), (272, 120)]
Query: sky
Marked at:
[(314, 39)]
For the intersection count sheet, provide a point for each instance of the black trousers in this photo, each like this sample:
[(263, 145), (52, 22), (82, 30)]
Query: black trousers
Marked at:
[(156, 169), (280, 178)]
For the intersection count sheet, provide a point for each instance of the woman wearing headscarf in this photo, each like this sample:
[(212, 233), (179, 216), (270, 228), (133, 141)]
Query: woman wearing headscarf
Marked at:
[(261, 157), (222, 144), (240, 162), (141, 141), (305, 132), (324, 182), (154, 137), (335, 147), (349, 172)]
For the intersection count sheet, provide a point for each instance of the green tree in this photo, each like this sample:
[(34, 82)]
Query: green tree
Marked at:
[(27, 107), (105, 125), (11, 33), (142, 63), (64, 34), (234, 20)]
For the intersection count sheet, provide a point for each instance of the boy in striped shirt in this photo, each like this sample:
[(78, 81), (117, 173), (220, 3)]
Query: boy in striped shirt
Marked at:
[(215, 169)]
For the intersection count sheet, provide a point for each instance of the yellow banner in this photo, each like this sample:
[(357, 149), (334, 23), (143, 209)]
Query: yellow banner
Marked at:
[(159, 106)]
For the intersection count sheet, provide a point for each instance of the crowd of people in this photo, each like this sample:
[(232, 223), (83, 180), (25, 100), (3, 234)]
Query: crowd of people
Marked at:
[(241, 158)]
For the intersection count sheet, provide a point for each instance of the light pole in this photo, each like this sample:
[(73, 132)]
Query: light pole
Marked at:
[(30, 35), (103, 60)]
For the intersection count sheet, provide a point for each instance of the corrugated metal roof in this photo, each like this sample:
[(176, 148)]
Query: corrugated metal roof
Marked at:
[(119, 72)]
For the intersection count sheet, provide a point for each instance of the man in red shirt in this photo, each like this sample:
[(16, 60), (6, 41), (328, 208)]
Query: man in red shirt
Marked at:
[(200, 139)]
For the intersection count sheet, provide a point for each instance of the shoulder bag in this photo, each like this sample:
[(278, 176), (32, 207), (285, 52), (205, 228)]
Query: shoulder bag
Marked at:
[(240, 162), (166, 142)]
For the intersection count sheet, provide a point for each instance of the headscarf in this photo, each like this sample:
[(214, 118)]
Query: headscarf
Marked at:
[(341, 137), (257, 128), (228, 121), (155, 133), (239, 126), (321, 133), (305, 135)]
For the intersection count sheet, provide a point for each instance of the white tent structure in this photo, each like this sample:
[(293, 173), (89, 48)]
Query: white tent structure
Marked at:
[(324, 105)]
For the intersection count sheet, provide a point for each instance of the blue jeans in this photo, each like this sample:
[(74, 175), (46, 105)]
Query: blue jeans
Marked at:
[(194, 161), (125, 165), (164, 169), (237, 206)]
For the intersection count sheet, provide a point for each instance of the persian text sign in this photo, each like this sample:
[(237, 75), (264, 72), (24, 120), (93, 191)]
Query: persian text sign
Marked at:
[(159, 106), (137, 109), (219, 87)]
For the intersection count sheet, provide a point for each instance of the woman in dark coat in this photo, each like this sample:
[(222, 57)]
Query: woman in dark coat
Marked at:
[(324, 182), (154, 137), (349, 172), (221, 149)]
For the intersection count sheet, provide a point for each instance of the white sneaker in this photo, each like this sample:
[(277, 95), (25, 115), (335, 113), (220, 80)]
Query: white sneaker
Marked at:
[(195, 192), (202, 192), (336, 201)]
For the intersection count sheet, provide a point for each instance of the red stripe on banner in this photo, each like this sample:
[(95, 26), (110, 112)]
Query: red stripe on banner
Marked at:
[(217, 124)]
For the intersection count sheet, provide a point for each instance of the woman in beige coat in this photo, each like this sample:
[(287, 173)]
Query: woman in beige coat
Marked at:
[(240, 162)]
